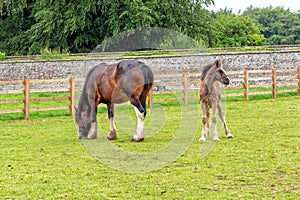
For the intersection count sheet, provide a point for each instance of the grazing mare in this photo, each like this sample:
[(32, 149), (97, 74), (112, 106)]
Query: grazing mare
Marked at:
[(210, 97), (128, 80)]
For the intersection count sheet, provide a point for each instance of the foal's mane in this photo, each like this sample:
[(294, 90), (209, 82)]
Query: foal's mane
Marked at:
[(205, 70)]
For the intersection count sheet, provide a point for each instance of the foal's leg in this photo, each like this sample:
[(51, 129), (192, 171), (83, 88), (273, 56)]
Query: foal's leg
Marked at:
[(205, 123), (221, 114), (214, 120), (112, 127), (140, 111)]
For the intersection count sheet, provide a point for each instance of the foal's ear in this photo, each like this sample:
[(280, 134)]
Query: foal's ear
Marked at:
[(218, 63)]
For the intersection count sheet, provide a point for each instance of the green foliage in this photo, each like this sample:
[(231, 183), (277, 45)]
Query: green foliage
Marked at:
[(278, 25), (27, 26), (2, 55), (50, 54), (235, 30), (80, 25)]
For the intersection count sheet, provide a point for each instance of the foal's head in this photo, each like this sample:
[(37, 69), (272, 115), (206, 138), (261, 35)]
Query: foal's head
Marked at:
[(215, 72)]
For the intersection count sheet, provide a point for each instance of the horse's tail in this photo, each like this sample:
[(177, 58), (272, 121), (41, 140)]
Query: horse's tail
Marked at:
[(148, 76)]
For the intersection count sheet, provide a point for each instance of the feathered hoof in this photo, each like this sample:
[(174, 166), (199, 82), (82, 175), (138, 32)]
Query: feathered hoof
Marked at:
[(111, 137), (137, 140), (228, 136), (202, 139), (92, 137)]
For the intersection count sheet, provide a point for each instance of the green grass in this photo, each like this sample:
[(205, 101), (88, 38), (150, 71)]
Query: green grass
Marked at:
[(43, 159), (150, 53), (242, 49)]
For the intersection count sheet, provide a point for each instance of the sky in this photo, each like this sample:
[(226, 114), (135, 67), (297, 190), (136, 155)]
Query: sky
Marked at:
[(236, 5)]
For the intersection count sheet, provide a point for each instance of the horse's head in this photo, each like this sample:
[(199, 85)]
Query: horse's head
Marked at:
[(84, 123), (220, 74)]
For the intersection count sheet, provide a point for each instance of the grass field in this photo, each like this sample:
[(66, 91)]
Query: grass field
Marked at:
[(42, 158)]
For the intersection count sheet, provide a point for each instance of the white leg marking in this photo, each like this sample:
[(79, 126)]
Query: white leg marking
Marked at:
[(112, 135), (112, 125), (93, 131), (205, 124), (214, 119), (140, 126), (222, 116)]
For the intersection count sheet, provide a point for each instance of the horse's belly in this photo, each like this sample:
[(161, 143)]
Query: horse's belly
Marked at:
[(119, 96)]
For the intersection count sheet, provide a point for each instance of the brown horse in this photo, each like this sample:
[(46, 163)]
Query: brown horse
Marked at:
[(210, 97), (109, 84)]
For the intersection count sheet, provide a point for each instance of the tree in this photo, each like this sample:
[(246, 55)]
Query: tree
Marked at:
[(15, 20), (81, 25), (235, 30), (278, 25)]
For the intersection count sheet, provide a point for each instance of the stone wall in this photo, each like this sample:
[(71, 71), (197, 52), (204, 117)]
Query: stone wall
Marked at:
[(160, 65)]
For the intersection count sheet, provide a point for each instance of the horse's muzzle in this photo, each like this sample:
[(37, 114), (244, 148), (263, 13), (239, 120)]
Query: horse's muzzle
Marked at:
[(82, 136)]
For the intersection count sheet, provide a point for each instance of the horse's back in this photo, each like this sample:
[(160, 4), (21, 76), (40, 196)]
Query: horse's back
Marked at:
[(133, 73), (129, 66)]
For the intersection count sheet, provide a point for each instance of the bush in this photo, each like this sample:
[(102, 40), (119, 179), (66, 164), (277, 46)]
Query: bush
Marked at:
[(52, 54), (2, 55)]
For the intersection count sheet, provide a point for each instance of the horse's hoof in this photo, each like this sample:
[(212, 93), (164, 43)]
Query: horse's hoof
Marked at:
[(92, 137), (216, 139), (137, 140), (111, 138), (229, 136), (203, 138)]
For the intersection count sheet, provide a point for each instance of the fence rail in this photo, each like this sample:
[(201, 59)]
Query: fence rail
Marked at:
[(164, 84)]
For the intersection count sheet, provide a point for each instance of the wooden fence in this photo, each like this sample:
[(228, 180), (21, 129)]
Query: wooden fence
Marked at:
[(164, 84), (27, 91)]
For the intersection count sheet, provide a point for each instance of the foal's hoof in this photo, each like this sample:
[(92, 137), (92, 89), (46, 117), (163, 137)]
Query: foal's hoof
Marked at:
[(137, 140)]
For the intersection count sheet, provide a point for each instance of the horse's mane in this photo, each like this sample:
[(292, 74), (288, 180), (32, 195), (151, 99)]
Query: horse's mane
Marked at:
[(205, 70), (84, 97)]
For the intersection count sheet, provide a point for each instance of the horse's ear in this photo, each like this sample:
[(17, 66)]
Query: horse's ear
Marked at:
[(218, 63)]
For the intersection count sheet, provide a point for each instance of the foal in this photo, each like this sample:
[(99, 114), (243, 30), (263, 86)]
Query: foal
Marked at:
[(210, 97)]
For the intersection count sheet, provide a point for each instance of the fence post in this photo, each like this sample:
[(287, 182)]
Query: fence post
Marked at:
[(150, 102), (26, 97), (274, 83), (246, 85), (185, 89), (299, 81), (72, 96)]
